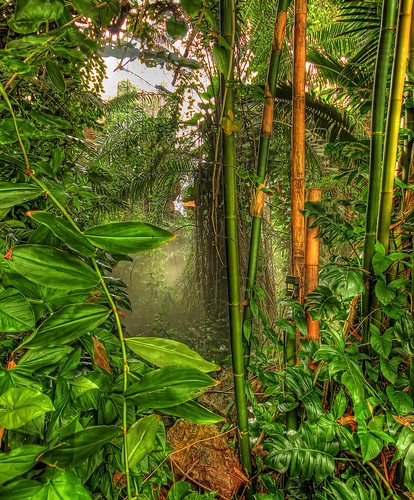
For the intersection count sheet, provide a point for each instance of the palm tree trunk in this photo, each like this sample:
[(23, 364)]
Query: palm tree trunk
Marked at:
[(377, 137), (393, 120), (298, 170), (232, 242), (266, 132)]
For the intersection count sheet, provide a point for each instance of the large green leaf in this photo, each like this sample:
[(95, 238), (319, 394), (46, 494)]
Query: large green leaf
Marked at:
[(18, 461), (18, 406), (128, 237), (384, 292), (42, 359), (191, 7), (382, 344), (389, 368), (56, 76), (67, 324), (306, 455), (53, 268), (176, 28), (353, 383), (166, 352), (193, 412), (141, 438), (169, 386), (401, 401), (371, 445), (8, 133), (38, 10), (16, 313), (79, 446), (14, 194), (55, 485), (101, 14), (63, 230)]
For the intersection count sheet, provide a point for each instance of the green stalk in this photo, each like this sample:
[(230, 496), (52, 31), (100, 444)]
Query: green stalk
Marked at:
[(264, 143), (59, 206), (376, 143), (228, 22), (393, 120)]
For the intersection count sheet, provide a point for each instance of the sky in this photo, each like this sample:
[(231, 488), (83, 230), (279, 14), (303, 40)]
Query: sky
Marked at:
[(139, 74)]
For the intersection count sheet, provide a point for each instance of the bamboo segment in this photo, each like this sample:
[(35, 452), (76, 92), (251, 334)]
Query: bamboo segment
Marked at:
[(228, 22), (298, 144), (312, 263), (376, 144), (297, 173), (266, 131), (393, 120)]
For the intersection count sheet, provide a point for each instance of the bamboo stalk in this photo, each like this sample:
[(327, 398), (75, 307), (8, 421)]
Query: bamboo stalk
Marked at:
[(263, 157), (298, 172), (393, 120), (298, 144), (376, 144), (232, 243), (312, 263)]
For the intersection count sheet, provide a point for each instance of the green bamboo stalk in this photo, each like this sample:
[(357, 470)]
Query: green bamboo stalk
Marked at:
[(376, 143), (264, 143), (228, 24), (393, 120)]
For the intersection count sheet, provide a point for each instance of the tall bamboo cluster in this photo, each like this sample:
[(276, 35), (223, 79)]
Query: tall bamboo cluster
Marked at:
[(232, 242), (393, 119), (263, 156), (376, 145)]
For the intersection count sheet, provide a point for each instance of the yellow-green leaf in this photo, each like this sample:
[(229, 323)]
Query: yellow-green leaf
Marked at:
[(128, 237), (166, 352)]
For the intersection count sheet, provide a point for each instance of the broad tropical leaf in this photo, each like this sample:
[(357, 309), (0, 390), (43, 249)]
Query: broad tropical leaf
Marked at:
[(306, 455), (16, 193), (63, 230), (141, 438), (79, 446), (67, 324), (18, 406), (16, 313), (193, 412), (51, 267), (18, 461), (169, 386), (128, 237), (166, 352)]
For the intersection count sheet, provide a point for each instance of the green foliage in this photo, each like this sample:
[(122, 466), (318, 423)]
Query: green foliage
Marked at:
[(76, 405)]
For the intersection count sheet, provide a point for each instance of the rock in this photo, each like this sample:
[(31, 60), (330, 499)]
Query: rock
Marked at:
[(206, 458)]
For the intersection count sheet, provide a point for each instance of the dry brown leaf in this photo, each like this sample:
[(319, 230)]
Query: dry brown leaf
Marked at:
[(99, 355)]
